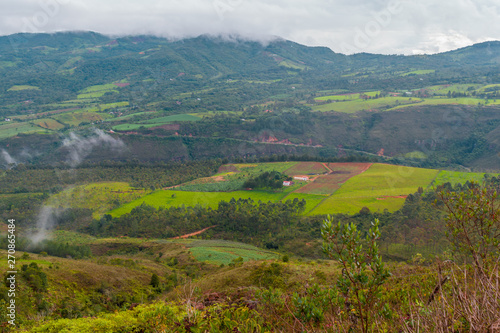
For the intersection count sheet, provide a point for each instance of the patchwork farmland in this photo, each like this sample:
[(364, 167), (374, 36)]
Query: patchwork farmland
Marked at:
[(331, 188)]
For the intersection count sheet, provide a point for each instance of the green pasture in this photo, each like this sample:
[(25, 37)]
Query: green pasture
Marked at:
[(10, 129), (132, 127), (369, 104), (172, 198), (376, 188)]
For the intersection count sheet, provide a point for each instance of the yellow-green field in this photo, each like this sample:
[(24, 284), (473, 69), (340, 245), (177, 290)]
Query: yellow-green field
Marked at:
[(455, 177), (100, 197), (49, 123), (78, 117), (25, 87)]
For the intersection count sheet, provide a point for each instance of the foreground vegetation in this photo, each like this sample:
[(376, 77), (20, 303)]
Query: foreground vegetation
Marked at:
[(457, 291)]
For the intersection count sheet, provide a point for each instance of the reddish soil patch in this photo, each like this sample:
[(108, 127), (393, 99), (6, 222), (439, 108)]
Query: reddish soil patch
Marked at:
[(338, 175), (194, 233), (169, 127), (121, 85), (228, 168), (305, 168)]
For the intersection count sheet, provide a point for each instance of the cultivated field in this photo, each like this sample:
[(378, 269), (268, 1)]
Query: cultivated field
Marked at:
[(170, 198), (305, 168), (382, 186), (455, 177), (338, 174), (49, 123), (369, 104), (224, 252), (100, 197)]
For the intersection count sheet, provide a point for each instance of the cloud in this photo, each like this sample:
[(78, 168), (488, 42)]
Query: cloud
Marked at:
[(79, 147), (314, 22)]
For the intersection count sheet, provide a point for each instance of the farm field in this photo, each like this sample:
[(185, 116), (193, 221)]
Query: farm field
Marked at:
[(100, 197), (455, 177), (312, 200), (154, 122), (382, 186), (360, 105), (23, 87), (12, 129), (305, 168), (348, 188), (171, 198), (447, 101), (76, 118), (224, 252), (49, 123), (347, 97), (339, 174)]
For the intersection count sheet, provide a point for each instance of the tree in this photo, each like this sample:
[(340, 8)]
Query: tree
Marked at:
[(155, 281), (363, 272)]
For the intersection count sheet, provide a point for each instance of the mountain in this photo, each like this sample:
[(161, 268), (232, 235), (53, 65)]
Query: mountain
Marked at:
[(245, 94)]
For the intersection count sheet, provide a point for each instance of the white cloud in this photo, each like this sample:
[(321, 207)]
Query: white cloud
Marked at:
[(420, 25)]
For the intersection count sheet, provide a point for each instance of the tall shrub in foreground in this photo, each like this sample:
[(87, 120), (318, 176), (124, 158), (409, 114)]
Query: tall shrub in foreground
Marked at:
[(363, 272)]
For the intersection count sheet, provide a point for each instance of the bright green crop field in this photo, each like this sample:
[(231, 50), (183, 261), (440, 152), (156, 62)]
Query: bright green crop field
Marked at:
[(455, 177), (170, 198)]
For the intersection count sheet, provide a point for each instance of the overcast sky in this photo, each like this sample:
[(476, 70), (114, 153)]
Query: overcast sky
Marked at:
[(346, 26)]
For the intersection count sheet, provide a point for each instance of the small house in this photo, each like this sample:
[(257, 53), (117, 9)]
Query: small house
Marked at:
[(301, 178), (288, 183)]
